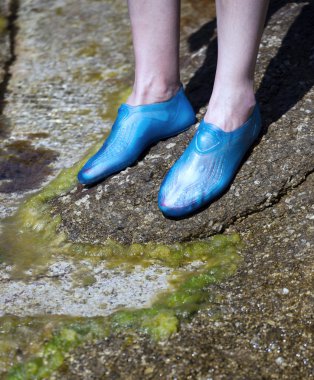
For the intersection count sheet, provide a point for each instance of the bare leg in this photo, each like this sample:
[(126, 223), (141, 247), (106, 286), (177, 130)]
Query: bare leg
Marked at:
[(240, 25), (155, 31)]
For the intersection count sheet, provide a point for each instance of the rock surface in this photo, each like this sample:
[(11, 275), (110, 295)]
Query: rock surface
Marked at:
[(264, 328), (124, 206), (261, 325), (260, 321)]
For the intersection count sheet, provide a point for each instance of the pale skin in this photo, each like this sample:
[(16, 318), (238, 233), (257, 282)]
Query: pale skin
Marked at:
[(155, 30)]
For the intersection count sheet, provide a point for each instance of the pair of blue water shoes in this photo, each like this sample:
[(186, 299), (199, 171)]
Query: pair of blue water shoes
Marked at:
[(201, 174)]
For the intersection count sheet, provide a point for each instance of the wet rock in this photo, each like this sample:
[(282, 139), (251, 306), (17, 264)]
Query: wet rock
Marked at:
[(281, 160)]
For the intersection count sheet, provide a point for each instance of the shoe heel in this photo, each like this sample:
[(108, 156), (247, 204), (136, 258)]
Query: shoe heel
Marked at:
[(185, 117)]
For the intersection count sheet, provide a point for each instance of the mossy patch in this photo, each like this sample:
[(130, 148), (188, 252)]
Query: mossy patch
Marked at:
[(45, 343), (56, 336)]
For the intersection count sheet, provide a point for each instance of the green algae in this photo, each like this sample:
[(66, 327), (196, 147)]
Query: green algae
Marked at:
[(56, 336), (91, 76), (77, 112), (116, 98), (83, 277), (30, 239), (88, 77), (218, 258), (51, 338), (32, 226), (84, 112), (32, 230), (114, 94), (46, 345)]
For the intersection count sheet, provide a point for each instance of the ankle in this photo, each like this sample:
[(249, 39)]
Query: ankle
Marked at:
[(230, 107), (152, 92)]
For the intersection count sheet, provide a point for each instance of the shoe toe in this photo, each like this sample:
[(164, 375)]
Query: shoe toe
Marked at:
[(174, 199), (183, 204), (168, 208), (90, 174), (86, 176), (187, 186), (82, 178)]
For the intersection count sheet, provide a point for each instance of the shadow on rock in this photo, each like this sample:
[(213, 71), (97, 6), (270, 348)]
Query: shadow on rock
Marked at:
[(288, 77)]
